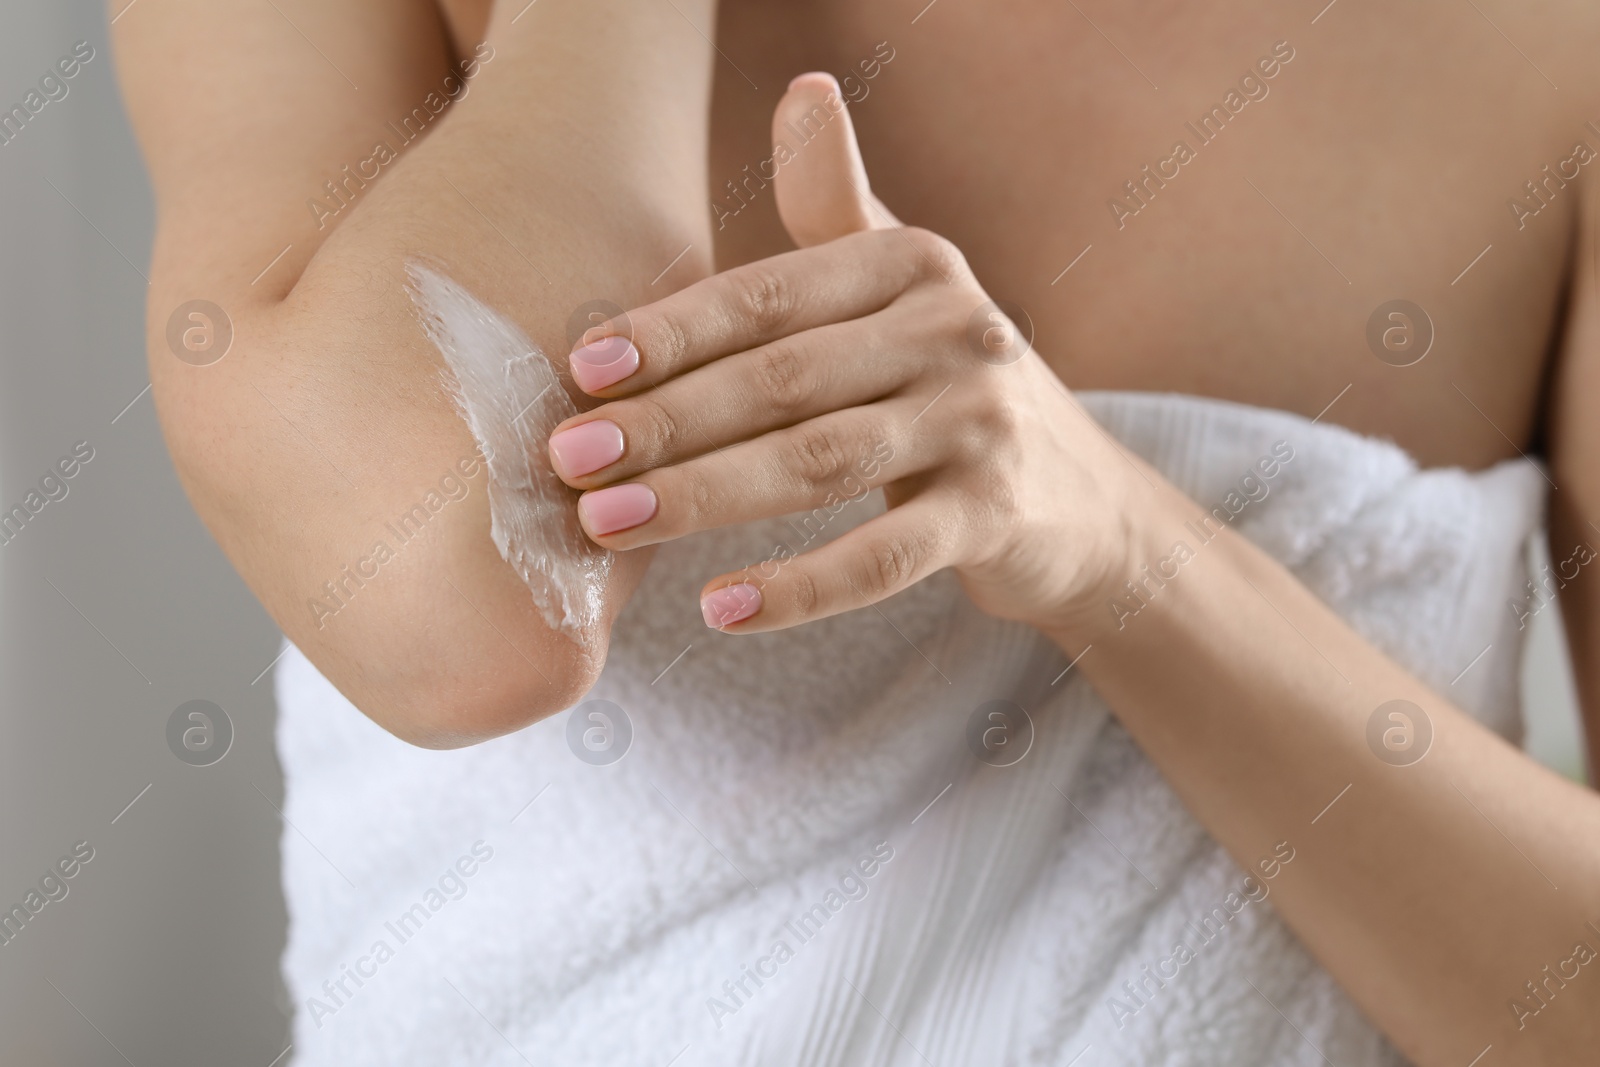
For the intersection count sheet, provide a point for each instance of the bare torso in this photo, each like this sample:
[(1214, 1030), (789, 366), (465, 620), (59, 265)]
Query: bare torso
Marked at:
[(1377, 166)]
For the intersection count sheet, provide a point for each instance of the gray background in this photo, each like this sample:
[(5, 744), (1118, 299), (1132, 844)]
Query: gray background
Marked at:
[(168, 939), (165, 950)]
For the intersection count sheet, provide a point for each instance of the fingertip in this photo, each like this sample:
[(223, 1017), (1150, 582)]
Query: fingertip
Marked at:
[(822, 187), (616, 508), (722, 607), (819, 79), (582, 449), (601, 364)]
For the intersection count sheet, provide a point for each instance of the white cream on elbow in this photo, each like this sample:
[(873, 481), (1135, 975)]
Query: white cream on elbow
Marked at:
[(511, 398)]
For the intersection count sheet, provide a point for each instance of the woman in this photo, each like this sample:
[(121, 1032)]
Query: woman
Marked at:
[(1152, 623)]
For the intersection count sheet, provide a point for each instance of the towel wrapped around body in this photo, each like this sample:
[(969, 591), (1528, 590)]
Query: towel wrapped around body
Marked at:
[(904, 835)]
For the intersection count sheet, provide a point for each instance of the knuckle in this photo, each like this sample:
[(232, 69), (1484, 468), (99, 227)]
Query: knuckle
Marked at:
[(945, 325), (805, 597), (892, 563), (662, 428), (781, 376), (889, 250), (818, 456), (990, 420), (697, 499), (937, 256), (662, 343), (767, 299)]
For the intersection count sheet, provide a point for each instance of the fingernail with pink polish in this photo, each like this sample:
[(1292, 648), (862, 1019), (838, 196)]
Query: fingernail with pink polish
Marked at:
[(731, 604), (585, 449), (621, 507), (605, 362)]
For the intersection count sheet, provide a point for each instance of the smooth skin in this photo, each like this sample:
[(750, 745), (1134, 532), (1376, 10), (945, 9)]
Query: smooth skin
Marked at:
[(577, 169)]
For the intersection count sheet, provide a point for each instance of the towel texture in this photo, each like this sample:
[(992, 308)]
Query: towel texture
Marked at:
[(801, 860)]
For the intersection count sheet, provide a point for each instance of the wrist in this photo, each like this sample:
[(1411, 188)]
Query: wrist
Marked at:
[(1150, 545)]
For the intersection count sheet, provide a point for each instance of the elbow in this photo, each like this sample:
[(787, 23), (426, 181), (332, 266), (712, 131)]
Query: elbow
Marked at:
[(460, 655), (448, 672), (470, 699)]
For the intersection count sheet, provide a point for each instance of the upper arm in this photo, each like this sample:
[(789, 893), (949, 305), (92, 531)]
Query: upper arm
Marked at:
[(244, 108), (1573, 443)]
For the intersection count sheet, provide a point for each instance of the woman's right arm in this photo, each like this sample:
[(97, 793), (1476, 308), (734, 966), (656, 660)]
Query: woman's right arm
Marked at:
[(571, 169)]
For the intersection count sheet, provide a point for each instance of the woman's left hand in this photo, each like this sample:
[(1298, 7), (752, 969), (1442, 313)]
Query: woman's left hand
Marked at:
[(869, 358)]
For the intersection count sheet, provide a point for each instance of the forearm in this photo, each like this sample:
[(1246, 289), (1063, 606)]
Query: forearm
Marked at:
[(1230, 681), (330, 418)]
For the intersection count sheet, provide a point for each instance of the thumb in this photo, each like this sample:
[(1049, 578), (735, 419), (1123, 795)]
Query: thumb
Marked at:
[(822, 189)]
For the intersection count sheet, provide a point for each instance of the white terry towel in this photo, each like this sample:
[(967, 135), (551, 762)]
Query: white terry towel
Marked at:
[(799, 860)]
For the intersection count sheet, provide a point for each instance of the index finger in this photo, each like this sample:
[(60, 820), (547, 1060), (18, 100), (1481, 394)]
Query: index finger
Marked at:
[(744, 308)]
